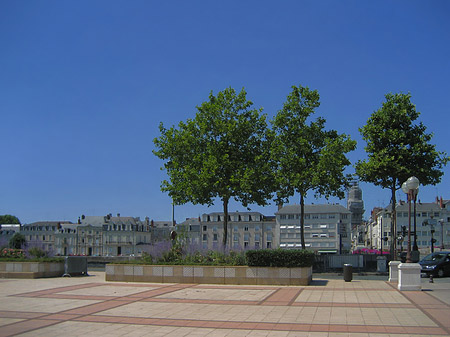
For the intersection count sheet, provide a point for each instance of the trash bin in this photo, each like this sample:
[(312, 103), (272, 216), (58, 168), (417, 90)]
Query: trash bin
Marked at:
[(381, 264), (348, 272)]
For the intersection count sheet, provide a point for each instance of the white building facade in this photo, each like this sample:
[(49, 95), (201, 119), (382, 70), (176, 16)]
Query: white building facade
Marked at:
[(327, 228)]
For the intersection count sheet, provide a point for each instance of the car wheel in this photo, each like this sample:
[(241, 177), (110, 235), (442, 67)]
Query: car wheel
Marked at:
[(440, 273)]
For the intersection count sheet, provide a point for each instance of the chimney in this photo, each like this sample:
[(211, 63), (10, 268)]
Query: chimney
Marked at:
[(442, 203), (147, 220)]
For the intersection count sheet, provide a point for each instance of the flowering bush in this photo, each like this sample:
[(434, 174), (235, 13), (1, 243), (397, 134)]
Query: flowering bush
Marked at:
[(12, 253), (181, 253)]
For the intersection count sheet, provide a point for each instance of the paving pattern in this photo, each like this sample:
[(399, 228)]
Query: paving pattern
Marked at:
[(89, 306)]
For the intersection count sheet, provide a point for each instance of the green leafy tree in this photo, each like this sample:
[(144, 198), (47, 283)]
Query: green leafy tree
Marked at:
[(17, 241), (308, 157), (398, 147), (9, 219), (222, 153)]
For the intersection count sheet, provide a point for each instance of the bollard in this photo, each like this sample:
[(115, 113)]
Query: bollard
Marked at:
[(431, 278), (348, 272)]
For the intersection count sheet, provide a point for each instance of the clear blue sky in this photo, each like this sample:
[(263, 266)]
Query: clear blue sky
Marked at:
[(84, 85)]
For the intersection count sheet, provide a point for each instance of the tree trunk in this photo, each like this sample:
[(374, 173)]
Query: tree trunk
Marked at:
[(393, 247), (225, 222), (302, 221)]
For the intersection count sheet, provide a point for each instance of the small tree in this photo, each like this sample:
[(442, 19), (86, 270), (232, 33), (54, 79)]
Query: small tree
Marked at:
[(17, 241), (221, 153), (308, 157), (397, 148)]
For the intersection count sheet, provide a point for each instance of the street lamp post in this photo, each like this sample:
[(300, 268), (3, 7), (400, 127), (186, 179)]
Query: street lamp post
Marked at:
[(410, 187), (415, 247), (442, 234)]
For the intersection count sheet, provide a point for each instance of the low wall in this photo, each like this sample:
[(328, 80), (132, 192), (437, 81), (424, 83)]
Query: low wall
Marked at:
[(209, 274), (31, 269)]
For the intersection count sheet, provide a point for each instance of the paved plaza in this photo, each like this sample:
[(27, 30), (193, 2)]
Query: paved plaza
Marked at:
[(89, 306)]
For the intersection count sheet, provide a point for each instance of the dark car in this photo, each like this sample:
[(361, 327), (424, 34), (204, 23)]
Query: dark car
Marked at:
[(436, 264)]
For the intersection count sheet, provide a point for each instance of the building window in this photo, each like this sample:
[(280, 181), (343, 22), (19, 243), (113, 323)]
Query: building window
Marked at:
[(256, 245), (283, 217), (246, 228), (256, 228), (205, 237), (269, 245), (215, 237), (245, 244), (307, 216), (236, 228), (236, 237), (205, 228), (215, 229), (315, 216), (291, 216)]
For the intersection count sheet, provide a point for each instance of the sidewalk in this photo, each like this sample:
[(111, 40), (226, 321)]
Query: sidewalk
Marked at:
[(89, 306)]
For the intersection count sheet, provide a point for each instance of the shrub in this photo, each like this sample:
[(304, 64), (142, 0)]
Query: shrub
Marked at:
[(36, 252), (17, 241), (280, 258)]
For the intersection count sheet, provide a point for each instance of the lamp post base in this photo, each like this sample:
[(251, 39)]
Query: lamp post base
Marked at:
[(393, 271), (409, 277)]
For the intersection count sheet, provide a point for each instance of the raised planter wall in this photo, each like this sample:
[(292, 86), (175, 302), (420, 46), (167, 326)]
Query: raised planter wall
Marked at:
[(209, 274), (31, 269)]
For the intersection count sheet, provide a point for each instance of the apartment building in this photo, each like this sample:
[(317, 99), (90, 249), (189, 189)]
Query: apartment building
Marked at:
[(246, 230), (432, 222), (42, 233), (327, 228)]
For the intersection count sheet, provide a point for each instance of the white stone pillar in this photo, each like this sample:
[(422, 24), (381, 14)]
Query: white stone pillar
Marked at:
[(393, 271), (409, 276)]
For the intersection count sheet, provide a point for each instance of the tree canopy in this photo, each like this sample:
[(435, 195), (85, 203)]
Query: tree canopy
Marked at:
[(222, 153), (308, 158), (398, 147), (9, 219)]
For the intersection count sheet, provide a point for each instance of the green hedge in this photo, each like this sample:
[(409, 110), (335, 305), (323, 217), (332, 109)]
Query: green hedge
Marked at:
[(289, 258)]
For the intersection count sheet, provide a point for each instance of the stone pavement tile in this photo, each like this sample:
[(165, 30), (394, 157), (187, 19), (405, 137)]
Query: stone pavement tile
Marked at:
[(34, 304), (5, 321), (24, 326), (219, 294), (108, 290)]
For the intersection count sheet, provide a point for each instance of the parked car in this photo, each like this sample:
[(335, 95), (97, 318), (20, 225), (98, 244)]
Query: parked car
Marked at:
[(436, 264)]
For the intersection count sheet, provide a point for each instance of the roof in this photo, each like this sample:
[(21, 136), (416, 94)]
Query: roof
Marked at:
[(47, 223), (420, 206), (319, 208)]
